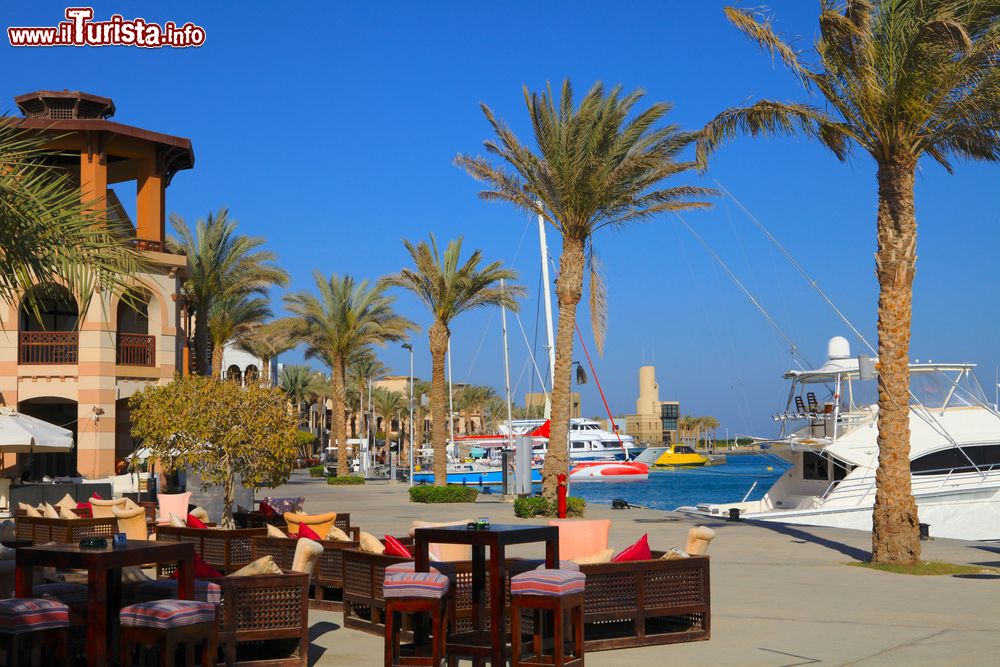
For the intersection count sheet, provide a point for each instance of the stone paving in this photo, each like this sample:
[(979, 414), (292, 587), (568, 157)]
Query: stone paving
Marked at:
[(781, 595)]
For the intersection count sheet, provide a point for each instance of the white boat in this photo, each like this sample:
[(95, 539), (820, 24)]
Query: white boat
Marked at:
[(829, 424), (588, 440)]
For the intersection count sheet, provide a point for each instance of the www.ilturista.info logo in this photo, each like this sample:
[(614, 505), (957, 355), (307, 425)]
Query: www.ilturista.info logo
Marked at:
[(81, 30)]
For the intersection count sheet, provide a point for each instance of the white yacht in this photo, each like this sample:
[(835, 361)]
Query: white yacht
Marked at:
[(829, 424), (588, 440)]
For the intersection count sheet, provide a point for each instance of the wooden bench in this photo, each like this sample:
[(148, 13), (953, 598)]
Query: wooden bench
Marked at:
[(328, 577), (65, 531), (225, 550)]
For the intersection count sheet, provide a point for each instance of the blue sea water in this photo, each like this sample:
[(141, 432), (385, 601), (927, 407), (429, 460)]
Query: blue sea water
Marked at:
[(669, 489)]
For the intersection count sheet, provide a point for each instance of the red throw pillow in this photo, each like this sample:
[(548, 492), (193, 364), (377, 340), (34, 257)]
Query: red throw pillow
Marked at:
[(638, 551), (96, 495), (195, 522), (394, 547), (85, 508), (202, 570), (307, 532), (266, 509)]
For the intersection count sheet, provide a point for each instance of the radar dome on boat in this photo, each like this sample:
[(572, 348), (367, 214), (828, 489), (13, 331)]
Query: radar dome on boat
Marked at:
[(838, 348)]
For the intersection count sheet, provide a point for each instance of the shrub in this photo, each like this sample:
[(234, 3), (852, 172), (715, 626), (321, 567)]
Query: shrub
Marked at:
[(539, 506), (346, 480), (317, 471), (443, 494)]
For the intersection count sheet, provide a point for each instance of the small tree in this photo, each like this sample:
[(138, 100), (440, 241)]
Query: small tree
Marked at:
[(219, 429)]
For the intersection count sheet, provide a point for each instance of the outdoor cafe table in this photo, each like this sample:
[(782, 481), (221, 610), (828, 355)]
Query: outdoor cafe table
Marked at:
[(492, 644), (104, 581)]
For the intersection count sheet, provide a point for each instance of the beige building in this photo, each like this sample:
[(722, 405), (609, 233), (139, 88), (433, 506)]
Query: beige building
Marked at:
[(654, 421), (537, 400), (78, 369)]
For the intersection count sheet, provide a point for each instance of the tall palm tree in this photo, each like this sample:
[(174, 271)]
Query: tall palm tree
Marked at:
[(387, 404), (596, 166), (222, 263), (230, 319), (494, 414), (346, 317), (900, 80), (47, 234), (449, 287), (364, 367), (318, 392), (294, 381), (266, 342), (471, 399)]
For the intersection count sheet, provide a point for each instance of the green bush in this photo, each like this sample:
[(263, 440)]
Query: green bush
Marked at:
[(443, 494), (346, 480), (317, 471), (538, 506)]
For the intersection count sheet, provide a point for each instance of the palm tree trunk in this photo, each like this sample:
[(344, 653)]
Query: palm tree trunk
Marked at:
[(217, 360), (339, 427), (438, 335), (201, 341), (569, 287), (895, 529)]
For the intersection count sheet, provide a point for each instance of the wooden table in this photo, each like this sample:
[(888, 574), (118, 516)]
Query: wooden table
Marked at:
[(492, 644), (104, 581)]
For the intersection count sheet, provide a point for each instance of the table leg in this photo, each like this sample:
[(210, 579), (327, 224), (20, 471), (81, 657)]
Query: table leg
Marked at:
[(552, 554), (421, 563), (97, 625), (498, 625), (24, 577), (478, 587), (185, 579)]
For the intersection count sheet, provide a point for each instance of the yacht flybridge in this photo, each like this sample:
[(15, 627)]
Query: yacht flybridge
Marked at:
[(829, 425)]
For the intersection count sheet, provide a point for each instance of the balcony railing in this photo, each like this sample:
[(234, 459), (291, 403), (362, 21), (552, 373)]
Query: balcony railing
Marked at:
[(144, 244), (48, 347), (136, 350)]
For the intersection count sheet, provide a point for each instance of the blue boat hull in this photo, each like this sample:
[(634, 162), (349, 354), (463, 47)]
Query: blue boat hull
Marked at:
[(473, 478)]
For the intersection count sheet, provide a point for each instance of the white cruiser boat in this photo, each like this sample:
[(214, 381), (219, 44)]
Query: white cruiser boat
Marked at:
[(588, 441), (829, 424)]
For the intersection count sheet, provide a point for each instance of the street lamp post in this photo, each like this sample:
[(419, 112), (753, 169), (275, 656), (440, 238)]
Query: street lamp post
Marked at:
[(407, 346)]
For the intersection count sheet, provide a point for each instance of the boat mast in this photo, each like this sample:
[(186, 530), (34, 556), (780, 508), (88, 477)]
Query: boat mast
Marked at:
[(548, 312), (451, 404), (506, 372)]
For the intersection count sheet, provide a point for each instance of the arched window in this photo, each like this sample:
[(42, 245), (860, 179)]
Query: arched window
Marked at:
[(251, 374), (234, 373)]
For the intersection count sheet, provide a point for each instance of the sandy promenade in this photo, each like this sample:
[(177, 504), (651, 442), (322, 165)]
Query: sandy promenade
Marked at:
[(781, 596)]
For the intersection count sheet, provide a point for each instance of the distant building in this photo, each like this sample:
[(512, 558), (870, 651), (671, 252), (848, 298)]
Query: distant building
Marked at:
[(537, 399), (654, 421), (244, 367)]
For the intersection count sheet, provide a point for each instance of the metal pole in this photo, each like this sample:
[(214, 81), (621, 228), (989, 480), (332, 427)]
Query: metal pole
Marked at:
[(410, 457), (548, 311), (451, 404), (506, 373)]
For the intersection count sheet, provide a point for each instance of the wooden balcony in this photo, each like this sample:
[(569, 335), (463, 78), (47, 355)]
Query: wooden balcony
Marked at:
[(48, 347), (136, 350)]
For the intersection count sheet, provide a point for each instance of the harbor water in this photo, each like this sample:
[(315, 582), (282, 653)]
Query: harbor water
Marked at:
[(669, 489)]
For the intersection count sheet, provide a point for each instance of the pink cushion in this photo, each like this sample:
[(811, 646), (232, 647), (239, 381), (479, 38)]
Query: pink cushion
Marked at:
[(547, 582), (415, 585), (167, 613), (579, 538), (639, 550), (19, 615), (172, 503)]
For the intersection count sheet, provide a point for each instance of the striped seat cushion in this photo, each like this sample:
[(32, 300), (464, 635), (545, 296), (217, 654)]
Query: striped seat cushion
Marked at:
[(19, 615), (402, 568), (547, 582), (73, 595), (160, 589), (167, 613), (415, 585)]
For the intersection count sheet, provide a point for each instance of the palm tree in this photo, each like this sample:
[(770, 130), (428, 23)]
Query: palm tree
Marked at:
[(449, 288), (47, 234), (318, 392), (222, 263), (471, 399), (494, 413), (363, 367), (294, 381), (900, 80), (387, 403), (231, 318), (595, 167), (266, 341), (346, 317)]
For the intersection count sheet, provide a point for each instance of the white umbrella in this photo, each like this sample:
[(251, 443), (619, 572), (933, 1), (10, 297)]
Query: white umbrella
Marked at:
[(22, 434)]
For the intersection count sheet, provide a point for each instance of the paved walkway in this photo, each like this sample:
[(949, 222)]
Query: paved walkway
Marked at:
[(781, 595)]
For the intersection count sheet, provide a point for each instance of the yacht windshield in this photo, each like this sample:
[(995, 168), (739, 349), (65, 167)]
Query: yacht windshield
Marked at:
[(946, 388)]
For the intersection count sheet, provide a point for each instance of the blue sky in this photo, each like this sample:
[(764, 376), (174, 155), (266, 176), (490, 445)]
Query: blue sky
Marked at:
[(330, 129)]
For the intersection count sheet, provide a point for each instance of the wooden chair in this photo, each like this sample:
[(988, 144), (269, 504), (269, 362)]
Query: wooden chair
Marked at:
[(28, 623), (559, 592), (169, 624), (415, 593)]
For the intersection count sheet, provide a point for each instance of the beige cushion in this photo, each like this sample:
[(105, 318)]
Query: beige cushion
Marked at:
[(337, 535), (699, 538), (265, 565), (134, 575), (129, 504), (274, 531), (31, 511), (49, 512), (371, 544), (599, 557), (177, 522), (67, 502), (101, 509), (307, 553), (200, 513), (67, 513), (132, 523), (674, 554), (445, 552)]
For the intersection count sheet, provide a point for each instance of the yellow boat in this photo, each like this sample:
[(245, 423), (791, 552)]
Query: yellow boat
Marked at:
[(680, 455)]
